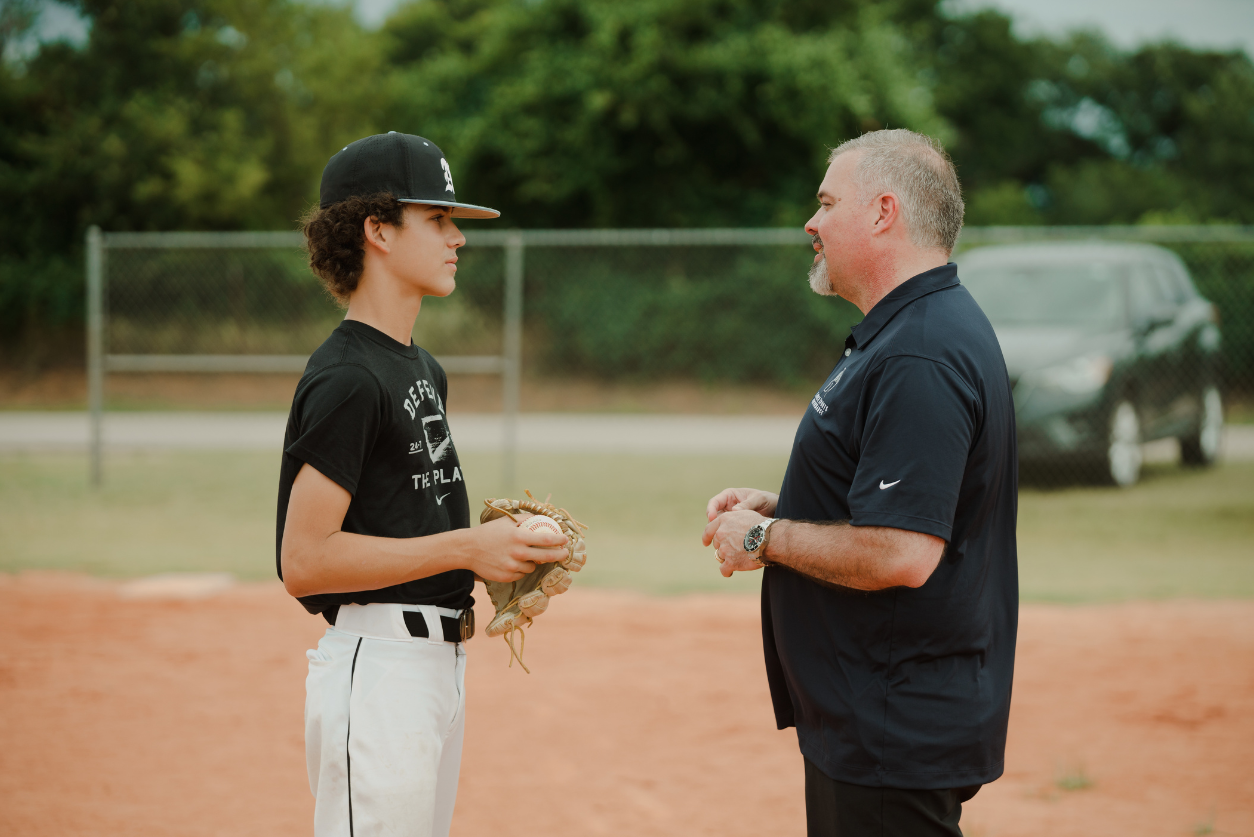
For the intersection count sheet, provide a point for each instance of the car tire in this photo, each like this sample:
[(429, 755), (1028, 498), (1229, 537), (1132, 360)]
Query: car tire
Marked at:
[(1123, 448), (1200, 448)]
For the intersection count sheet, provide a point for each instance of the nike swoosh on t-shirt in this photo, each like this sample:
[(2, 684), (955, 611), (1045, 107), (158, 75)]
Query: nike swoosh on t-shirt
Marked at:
[(890, 485), (439, 500)]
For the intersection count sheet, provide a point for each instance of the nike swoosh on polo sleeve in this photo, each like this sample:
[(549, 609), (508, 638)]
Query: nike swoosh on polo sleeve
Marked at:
[(920, 423)]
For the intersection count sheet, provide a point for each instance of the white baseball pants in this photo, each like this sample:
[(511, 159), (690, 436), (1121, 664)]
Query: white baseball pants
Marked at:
[(384, 717)]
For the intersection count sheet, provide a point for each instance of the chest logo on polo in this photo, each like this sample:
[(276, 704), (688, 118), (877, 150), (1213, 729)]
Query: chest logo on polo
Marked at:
[(820, 406), (832, 384)]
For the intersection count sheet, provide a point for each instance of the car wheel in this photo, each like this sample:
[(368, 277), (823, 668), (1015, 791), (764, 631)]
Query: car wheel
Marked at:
[(1201, 448), (1123, 452)]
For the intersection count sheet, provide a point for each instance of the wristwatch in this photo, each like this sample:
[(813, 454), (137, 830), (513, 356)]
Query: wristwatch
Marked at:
[(756, 538)]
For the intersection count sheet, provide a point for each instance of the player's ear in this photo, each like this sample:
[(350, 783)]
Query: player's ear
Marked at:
[(377, 234)]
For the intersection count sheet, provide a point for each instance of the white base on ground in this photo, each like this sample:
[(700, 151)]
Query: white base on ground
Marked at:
[(176, 586)]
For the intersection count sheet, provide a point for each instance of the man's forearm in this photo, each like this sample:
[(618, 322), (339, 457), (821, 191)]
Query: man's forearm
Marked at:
[(859, 557)]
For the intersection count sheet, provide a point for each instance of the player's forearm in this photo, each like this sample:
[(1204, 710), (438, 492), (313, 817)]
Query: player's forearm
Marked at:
[(860, 557), (345, 562)]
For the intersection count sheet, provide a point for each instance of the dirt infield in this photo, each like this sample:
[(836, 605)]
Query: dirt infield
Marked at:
[(160, 716)]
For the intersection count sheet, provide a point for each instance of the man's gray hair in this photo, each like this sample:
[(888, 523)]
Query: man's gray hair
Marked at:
[(917, 170)]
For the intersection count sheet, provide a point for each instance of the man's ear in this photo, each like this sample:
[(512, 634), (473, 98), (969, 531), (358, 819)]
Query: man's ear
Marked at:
[(378, 234), (887, 211)]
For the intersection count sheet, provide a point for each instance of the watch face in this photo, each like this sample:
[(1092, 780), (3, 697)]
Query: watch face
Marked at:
[(754, 537)]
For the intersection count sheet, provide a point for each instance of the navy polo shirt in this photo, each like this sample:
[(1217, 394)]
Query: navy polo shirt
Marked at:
[(914, 429)]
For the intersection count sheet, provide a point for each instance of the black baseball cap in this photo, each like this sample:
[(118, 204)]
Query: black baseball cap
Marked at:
[(408, 166)]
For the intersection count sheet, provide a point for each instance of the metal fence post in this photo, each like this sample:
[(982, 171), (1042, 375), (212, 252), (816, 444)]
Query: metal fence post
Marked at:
[(511, 379), (95, 350)]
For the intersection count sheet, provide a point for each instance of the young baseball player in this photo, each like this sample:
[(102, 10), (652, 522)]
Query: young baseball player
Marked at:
[(373, 517)]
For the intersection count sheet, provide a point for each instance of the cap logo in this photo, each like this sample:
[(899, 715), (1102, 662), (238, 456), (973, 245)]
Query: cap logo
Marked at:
[(448, 175)]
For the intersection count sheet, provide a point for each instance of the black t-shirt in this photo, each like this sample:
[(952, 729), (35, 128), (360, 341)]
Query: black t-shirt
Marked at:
[(913, 429), (369, 414)]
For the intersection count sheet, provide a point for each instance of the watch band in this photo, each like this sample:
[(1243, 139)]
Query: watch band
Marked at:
[(756, 554), (766, 539)]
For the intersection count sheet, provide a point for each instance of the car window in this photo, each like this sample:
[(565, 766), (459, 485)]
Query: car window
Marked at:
[(1148, 294), (1172, 290), (1179, 280), (1085, 295)]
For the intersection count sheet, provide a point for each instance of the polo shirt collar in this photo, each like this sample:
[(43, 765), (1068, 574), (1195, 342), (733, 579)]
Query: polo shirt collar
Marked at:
[(936, 279)]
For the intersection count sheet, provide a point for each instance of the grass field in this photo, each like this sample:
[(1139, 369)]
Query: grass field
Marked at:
[(1179, 533)]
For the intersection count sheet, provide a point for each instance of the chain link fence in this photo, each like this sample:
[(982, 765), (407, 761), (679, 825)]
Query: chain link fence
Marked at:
[(1116, 337), (247, 303)]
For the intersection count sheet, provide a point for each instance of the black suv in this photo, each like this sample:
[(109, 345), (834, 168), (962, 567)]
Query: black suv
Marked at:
[(1108, 346)]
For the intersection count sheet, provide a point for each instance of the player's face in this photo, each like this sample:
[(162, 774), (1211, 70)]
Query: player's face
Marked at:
[(425, 253)]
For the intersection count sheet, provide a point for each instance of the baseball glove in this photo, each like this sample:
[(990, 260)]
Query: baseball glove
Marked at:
[(518, 602)]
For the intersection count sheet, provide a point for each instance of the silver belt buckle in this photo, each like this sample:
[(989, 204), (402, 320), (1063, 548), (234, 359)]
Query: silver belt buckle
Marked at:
[(466, 624)]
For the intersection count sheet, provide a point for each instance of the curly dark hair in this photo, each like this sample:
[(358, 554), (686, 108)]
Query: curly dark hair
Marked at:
[(335, 240)]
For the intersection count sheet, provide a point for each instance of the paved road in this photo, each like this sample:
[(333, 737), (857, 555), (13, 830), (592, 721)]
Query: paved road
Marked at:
[(573, 432)]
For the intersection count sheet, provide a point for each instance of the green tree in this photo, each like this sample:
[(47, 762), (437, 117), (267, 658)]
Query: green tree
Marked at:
[(650, 113), (176, 114), (1075, 131)]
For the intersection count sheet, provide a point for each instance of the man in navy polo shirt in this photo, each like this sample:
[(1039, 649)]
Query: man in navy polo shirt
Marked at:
[(890, 595)]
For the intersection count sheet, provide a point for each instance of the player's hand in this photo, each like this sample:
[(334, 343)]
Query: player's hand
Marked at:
[(727, 533), (738, 499), (504, 551)]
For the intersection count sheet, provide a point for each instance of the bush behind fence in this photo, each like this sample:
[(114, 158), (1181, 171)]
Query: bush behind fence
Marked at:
[(1224, 274), (735, 313), (715, 313)]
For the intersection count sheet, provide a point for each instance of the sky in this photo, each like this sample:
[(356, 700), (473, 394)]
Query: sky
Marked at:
[(1214, 24), (56, 22)]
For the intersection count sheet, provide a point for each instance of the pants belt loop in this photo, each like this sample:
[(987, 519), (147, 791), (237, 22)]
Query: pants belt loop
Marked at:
[(435, 630)]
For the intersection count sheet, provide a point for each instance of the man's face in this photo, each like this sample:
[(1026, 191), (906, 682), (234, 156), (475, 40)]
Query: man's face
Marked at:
[(838, 228), (424, 251)]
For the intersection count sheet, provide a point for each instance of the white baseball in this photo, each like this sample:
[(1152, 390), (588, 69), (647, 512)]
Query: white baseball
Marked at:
[(539, 522)]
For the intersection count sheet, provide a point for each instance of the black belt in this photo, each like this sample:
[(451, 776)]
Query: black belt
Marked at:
[(456, 629)]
